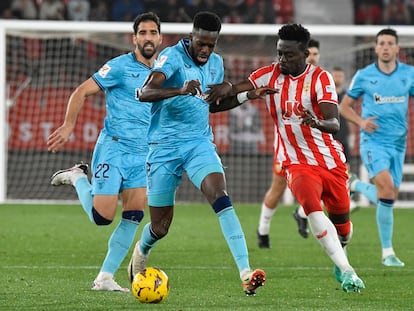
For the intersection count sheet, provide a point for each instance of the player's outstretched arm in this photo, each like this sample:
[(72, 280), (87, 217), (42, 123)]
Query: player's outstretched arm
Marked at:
[(241, 97), (224, 104), (61, 135), (224, 90)]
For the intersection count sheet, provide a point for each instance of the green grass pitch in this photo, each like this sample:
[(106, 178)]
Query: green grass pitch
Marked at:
[(50, 254)]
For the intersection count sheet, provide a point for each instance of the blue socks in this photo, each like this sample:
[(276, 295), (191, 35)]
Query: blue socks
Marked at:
[(148, 239), (120, 242), (84, 191), (384, 213), (232, 231), (122, 237), (230, 226), (385, 221), (368, 190)]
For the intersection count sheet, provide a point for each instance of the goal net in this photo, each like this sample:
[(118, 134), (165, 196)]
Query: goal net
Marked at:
[(43, 62)]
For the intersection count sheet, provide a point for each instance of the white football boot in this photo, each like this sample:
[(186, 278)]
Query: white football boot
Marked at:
[(70, 175), (108, 284), (137, 262)]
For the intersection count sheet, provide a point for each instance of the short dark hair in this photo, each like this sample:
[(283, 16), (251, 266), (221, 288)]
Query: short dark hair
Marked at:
[(387, 31), (144, 17), (313, 43), (207, 21), (295, 32)]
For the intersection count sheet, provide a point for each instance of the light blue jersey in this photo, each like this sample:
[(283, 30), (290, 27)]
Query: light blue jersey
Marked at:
[(181, 140), (385, 96), (118, 160), (183, 118), (180, 136), (126, 117)]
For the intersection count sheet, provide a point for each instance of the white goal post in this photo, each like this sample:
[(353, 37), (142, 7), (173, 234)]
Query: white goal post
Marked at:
[(244, 47)]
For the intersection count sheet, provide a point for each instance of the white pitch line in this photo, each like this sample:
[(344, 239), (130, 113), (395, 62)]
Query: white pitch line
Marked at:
[(302, 268)]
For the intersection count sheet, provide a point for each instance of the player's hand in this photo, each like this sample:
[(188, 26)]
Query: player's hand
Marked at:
[(191, 87), (368, 125), (261, 92), (217, 92), (58, 138), (309, 119)]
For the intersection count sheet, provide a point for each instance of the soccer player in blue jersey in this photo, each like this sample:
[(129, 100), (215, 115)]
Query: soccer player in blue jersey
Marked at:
[(118, 163), (181, 139), (385, 87)]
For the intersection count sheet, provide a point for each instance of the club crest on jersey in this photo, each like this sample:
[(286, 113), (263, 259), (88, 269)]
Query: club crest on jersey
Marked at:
[(213, 75), (161, 61), (306, 87), (105, 69)]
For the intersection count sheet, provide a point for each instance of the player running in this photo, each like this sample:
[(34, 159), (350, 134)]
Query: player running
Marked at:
[(302, 101), (181, 139), (118, 162), (385, 87)]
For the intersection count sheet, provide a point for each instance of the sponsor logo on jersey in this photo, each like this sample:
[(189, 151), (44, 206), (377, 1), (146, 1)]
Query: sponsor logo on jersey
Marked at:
[(292, 112), (379, 99)]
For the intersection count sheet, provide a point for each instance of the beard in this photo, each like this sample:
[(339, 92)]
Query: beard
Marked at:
[(145, 51)]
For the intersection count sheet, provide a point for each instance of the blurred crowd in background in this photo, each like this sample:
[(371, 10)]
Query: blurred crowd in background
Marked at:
[(384, 12), (371, 12), (231, 11)]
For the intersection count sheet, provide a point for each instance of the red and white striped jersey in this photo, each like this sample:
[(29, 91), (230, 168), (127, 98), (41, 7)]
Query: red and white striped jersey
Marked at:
[(296, 143)]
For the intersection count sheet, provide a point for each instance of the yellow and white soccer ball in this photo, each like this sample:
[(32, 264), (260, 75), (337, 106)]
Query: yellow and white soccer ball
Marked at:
[(151, 285)]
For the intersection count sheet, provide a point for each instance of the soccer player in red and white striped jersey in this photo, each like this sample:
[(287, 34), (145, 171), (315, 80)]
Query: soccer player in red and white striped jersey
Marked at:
[(301, 98), (303, 104)]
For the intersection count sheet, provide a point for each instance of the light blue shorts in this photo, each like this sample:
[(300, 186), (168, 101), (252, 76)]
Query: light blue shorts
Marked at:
[(117, 166), (377, 158), (165, 166)]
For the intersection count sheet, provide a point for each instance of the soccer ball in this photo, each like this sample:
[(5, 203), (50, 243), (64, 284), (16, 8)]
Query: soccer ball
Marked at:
[(151, 285)]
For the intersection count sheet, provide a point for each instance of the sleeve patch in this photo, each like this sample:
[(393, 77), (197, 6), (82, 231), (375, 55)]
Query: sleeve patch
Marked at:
[(104, 70), (330, 88), (160, 62)]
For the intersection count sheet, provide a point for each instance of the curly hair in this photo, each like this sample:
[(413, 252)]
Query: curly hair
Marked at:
[(207, 21), (295, 32)]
